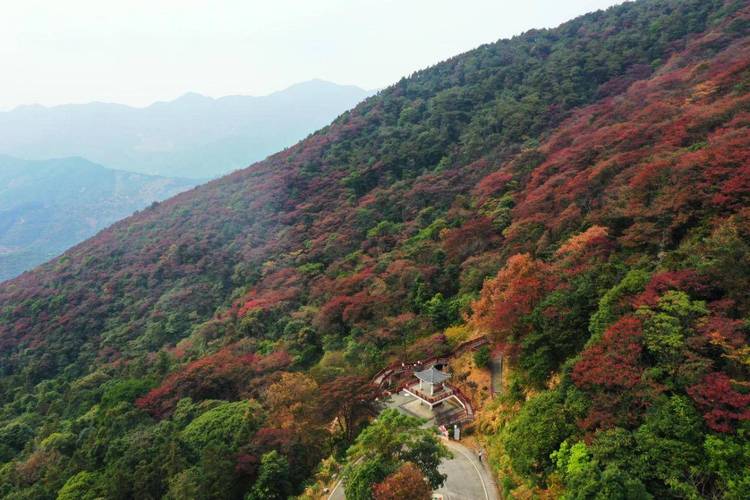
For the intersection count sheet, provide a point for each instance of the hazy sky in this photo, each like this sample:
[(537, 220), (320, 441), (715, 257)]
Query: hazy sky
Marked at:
[(139, 51)]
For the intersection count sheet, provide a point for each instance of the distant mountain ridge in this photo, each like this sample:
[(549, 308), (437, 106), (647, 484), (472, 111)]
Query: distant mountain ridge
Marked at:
[(192, 136), (48, 206)]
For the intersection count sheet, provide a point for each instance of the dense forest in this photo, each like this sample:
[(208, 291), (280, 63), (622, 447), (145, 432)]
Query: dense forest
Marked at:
[(580, 194)]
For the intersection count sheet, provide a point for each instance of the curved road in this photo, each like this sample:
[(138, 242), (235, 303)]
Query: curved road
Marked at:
[(468, 479)]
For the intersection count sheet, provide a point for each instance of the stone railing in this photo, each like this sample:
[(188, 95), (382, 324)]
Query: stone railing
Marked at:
[(406, 371), (465, 401), (430, 398)]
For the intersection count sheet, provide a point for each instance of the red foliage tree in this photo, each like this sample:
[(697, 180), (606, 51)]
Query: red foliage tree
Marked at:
[(685, 280), (580, 250), (223, 375), (472, 238), (722, 406), (612, 374)]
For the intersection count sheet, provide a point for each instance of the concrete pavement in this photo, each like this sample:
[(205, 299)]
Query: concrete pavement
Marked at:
[(468, 478)]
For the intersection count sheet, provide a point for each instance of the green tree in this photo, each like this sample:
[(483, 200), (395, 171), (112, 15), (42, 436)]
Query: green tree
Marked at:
[(217, 478), (81, 486), (611, 305), (665, 329), (13, 437), (729, 458), (273, 479), (482, 357), (669, 448), (185, 484), (538, 430), (139, 463), (230, 424), (443, 312), (584, 479), (360, 478), (385, 445), (558, 323), (124, 391)]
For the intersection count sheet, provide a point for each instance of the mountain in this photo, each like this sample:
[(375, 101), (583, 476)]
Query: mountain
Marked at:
[(48, 206), (193, 136), (580, 195)]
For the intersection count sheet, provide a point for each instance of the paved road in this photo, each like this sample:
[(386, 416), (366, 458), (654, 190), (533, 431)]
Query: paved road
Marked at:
[(468, 479)]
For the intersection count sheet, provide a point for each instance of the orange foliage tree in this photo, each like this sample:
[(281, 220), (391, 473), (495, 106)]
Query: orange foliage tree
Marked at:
[(511, 295), (293, 402), (407, 482)]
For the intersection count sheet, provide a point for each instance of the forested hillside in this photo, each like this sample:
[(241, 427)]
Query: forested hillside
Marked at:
[(580, 194), (48, 206)]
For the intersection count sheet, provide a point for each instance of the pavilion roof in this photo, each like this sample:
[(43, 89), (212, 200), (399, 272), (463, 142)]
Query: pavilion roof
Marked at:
[(432, 375)]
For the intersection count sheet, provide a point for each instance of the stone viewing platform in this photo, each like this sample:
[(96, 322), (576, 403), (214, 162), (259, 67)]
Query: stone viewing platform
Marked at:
[(431, 388), (426, 387)]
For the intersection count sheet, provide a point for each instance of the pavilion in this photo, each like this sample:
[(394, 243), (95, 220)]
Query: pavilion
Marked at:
[(431, 389), (431, 377)]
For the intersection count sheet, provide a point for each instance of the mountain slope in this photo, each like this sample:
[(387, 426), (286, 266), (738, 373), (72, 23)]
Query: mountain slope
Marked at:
[(48, 206), (193, 136), (579, 193)]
